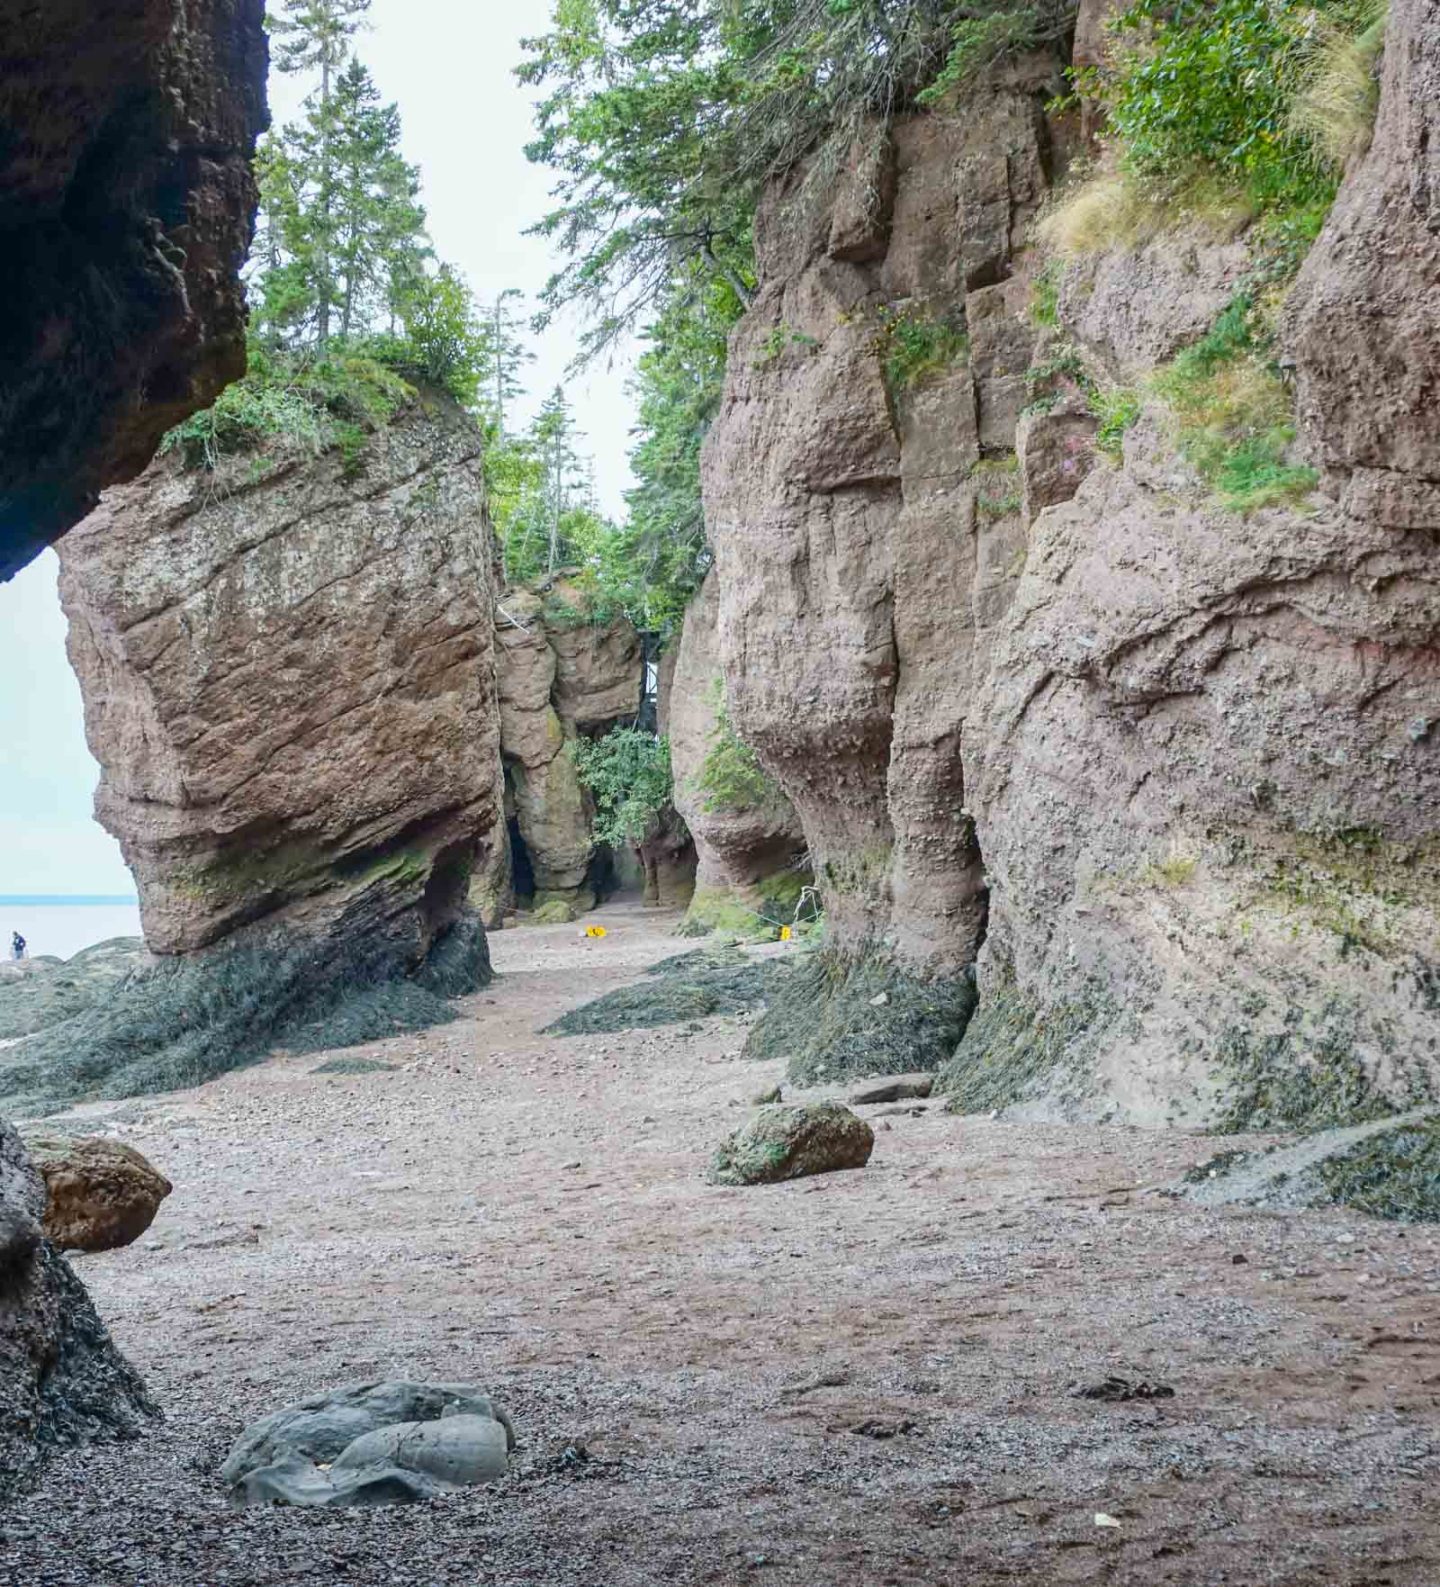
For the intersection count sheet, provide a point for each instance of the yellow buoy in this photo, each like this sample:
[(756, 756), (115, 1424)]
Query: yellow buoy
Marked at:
[(786, 933), (594, 931)]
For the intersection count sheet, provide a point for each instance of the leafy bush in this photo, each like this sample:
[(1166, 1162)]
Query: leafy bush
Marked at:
[(918, 344), (730, 778), (628, 775), (1248, 90), (1118, 410)]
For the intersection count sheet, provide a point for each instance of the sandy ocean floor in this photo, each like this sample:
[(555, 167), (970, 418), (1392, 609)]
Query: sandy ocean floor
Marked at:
[(851, 1381)]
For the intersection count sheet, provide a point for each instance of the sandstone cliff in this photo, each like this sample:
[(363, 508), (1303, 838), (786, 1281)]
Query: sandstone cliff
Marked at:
[(126, 203), (749, 845), (559, 675), (287, 668), (863, 508), (1160, 773)]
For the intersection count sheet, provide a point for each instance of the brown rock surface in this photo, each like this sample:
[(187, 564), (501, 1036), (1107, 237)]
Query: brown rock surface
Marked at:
[(99, 1194), (126, 204), (1365, 315), (287, 685), (858, 582), (737, 849), (559, 676)]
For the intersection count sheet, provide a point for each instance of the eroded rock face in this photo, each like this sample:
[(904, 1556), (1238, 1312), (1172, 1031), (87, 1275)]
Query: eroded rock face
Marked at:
[(126, 207), (558, 676), (287, 684), (860, 579), (288, 680), (62, 1381), (1365, 315), (1206, 785), (740, 847)]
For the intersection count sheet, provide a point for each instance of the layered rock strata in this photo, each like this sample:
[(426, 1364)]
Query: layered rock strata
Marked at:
[(749, 846), (287, 672), (864, 508), (560, 676), (126, 205)]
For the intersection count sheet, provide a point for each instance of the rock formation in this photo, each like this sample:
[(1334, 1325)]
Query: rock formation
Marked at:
[(749, 846), (867, 530), (288, 680), (126, 214), (99, 1194), (61, 1379), (559, 676), (1161, 774)]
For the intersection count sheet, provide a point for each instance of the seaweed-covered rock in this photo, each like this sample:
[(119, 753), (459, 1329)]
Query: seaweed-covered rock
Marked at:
[(843, 1017), (186, 1019), (38, 993), (62, 1382), (1389, 1167), (372, 1443), (690, 986), (99, 1194), (789, 1141)]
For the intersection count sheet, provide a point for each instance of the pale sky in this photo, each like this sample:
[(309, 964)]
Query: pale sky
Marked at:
[(448, 64)]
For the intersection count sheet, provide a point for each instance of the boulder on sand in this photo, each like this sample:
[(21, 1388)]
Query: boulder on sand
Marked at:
[(371, 1443), (99, 1194), (790, 1141)]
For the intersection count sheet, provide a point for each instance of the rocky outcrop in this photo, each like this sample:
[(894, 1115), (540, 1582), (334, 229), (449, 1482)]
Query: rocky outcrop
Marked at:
[(864, 556), (749, 845), (1161, 775), (99, 1194), (559, 676), (126, 205), (287, 672), (62, 1382), (1206, 784)]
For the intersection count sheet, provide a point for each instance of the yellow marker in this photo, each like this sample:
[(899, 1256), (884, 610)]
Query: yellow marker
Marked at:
[(786, 933), (594, 931)]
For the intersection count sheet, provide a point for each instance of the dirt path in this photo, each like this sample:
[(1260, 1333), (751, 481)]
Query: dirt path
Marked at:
[(849, 1381)]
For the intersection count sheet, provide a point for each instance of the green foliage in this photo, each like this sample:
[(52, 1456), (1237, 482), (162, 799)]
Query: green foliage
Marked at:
[(1045, 295), (998, 480), (628, 775), (979, 42), (664, 120), (918, 344), (730, 778), (1235, 413), (1118, 410), (1213, 86), (291, 403)]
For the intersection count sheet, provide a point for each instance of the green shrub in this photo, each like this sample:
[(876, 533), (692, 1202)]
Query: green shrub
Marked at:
[(917, 344), (730, 778), (294, 403), (628, 775), (1118, 410), (997, 486)]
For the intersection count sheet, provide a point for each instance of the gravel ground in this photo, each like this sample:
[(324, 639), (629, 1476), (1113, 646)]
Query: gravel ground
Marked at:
[(861, 1379)]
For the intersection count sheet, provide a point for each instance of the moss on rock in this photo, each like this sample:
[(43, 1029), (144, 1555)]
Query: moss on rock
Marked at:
[(689, 986), (784, 1141), (841, 1017)]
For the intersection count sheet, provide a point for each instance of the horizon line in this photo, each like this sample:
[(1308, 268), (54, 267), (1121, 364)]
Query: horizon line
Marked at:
[(69, 898)]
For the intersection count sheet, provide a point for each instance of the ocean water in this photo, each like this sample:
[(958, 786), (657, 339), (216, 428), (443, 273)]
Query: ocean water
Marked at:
[(61, 927)]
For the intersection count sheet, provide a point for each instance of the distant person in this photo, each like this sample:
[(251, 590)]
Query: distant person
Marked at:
[(17, 946)]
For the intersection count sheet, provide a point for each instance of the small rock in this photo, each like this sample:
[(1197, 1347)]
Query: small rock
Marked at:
[(898, 1088), (789, 1142), (1120, 1391), (99, 1194), (772, 1094)]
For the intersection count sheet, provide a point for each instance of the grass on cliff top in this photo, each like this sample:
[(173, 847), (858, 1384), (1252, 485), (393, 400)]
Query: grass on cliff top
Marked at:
[(296, 404)]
